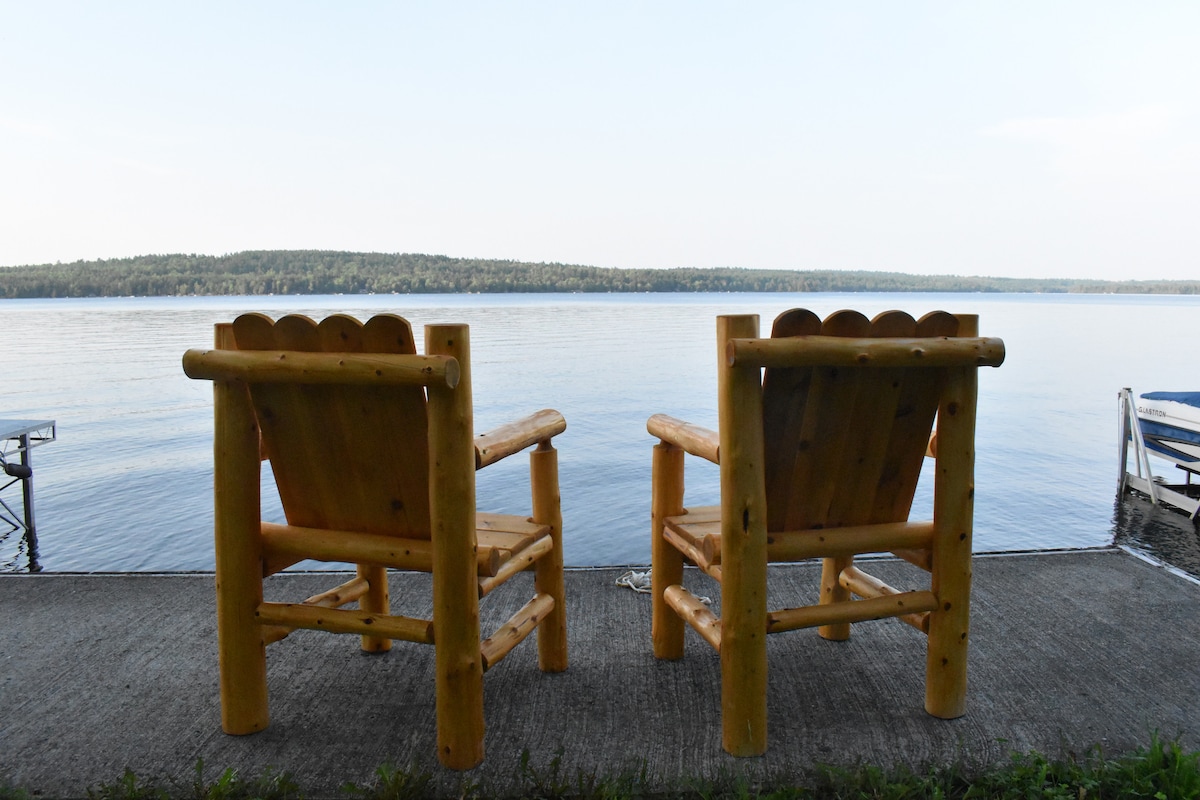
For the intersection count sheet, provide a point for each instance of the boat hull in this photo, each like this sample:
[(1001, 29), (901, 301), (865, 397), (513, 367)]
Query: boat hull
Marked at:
[(1170, 423)]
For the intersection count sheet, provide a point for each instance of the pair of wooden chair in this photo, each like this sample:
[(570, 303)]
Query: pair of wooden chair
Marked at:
[(372, 449)]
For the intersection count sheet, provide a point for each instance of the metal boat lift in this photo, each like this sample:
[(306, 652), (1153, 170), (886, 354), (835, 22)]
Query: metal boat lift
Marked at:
[(1143, 479), (17, 438)]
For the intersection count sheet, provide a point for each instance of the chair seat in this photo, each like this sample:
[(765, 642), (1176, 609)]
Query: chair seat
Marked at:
[(499, 538), (697, 533), (506, 535)]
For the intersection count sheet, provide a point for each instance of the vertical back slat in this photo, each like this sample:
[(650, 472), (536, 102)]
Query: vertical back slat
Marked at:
[(915, 413), (401, 424), (341, 334), (283, 412), (822, 441), (300, 461), (864, 460), (785, 394)]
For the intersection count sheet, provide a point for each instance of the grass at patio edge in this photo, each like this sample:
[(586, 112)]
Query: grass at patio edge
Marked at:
[(1162, 770)]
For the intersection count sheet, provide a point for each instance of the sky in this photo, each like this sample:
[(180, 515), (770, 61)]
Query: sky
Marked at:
[(1012, 139)]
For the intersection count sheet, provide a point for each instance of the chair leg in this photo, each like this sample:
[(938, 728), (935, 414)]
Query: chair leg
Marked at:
[(458, 664), (946, 656), (744, 648), (666, 563), (832, 591), (241, 653), (459, 678), (743, 548), (953, 512), (375, 601), (458, 661), (946, 659), (240, 648), (548, 572)]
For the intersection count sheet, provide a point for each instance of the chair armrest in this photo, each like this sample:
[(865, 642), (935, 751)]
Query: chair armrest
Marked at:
[(514, 437), (691, 438), (931, 448)]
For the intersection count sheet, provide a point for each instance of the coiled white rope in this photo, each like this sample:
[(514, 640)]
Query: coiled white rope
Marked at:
[(640, 583)]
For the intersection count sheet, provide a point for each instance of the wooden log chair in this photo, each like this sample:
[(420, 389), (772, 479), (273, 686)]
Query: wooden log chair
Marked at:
[(819, 457), (373, 453)]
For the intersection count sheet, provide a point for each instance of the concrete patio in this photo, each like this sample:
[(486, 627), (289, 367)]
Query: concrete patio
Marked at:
[(99, 673)]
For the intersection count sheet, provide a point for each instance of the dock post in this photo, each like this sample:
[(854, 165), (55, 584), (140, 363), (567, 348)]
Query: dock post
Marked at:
[(1123, 434), (27, 489)]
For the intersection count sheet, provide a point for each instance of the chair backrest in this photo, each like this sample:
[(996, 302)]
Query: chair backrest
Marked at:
[(345, 457), (844, 445)]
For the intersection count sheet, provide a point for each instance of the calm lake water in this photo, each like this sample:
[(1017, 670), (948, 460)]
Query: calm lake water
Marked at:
[(127, 486)]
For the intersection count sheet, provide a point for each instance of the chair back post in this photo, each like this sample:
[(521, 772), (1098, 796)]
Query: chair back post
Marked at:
[(953, 513), (236, 475), (459, 664), (968, 324), (743, 546)]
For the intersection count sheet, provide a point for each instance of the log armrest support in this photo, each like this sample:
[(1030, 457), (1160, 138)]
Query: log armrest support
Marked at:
[(514, 437), (694, 439)]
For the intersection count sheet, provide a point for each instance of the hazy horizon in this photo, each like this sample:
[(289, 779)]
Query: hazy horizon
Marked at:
[(998, 139)]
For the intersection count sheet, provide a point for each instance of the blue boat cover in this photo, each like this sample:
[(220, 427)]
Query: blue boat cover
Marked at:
[(1187, 398)]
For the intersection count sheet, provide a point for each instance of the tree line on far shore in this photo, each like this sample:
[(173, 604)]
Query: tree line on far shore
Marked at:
[(261, 272)]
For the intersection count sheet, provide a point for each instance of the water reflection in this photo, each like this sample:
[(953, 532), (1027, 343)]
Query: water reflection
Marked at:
[(18, 544), (1157, 530), (20, 551)]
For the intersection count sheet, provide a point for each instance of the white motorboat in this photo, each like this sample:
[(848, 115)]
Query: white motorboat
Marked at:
[(1170, 423), (1165, 425)]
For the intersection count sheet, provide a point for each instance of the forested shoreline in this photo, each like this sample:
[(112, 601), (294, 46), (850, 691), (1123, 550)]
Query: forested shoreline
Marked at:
[(260, 272)]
